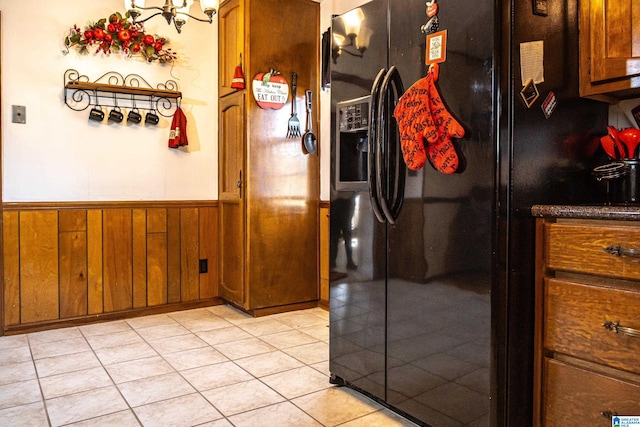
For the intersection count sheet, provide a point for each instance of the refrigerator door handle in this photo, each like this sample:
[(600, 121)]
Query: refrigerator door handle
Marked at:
[(387, 139), (373, 136), (395, 148)]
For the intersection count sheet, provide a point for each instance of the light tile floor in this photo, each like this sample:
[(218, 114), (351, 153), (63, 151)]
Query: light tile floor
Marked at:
[(212, 367)]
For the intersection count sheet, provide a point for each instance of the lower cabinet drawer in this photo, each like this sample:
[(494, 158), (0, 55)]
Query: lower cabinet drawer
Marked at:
[(612, 251), (576, 320), (577, 397)]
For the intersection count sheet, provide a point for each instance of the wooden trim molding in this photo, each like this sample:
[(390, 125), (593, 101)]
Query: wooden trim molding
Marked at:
[(25, 206)]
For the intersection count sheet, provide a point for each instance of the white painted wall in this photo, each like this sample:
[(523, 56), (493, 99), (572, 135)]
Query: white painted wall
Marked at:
[(58, 155)]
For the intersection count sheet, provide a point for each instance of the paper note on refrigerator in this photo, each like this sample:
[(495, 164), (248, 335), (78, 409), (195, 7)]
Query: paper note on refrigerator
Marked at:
[(532, 61)]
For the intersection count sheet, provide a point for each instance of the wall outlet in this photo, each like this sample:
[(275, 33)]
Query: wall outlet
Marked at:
[(18, 114), (204, 266)]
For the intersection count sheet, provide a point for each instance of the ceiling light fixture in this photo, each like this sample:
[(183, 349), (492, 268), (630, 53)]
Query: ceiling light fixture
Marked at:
[(178, 13)]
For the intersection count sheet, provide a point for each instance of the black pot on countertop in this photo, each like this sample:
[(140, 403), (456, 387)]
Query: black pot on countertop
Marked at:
[(623, 181)]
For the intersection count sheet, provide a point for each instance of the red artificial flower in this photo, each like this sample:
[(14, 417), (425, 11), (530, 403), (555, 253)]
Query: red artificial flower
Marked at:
[(118, 34)]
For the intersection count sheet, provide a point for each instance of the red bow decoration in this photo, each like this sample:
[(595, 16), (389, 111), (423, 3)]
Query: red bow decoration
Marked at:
[(237, 82)]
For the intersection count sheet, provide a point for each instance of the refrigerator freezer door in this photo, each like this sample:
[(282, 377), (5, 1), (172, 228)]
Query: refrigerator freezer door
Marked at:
[(357, 288)]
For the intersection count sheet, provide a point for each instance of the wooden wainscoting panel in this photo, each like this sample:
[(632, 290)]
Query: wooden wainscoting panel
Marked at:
[(11, 261), (72, 262), (324, 255), (189, 254), (72, 220), (94, 261), (117, 259), (139, 258), (156, 269), (156, 256), (173, 255), (156, 220), (209, 251), (38, 266)]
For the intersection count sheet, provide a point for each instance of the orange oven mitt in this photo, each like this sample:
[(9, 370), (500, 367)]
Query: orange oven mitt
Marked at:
[(414, 117), (422, 117)]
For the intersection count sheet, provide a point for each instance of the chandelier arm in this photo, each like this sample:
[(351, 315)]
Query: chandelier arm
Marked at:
[(137, 21), (134, 6), (210, 20), (343, 50)]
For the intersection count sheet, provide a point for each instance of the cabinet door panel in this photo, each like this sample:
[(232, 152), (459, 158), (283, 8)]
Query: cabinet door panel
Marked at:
[(609, 49), (577, 397), (615, 39), (231, 146), (231, 29)]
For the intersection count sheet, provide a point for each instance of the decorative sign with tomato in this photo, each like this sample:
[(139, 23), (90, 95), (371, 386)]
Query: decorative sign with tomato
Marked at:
[(270, 90)]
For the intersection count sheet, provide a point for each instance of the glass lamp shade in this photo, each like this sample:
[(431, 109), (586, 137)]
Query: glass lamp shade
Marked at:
[(338, 39), (352, 21), (184, 10), (208, 5), (364, 37)]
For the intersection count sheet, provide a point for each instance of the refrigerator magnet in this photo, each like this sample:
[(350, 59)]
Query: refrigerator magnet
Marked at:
[(436, 47), (529, 93), (549, 104)]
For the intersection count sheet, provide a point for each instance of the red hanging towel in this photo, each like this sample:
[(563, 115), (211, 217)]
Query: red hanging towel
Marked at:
[(178, 133)]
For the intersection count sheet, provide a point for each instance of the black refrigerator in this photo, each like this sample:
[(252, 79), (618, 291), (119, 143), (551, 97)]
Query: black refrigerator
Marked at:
[(432, 274)]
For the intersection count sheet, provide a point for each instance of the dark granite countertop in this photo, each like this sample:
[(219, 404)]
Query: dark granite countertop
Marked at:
[(628, 213)]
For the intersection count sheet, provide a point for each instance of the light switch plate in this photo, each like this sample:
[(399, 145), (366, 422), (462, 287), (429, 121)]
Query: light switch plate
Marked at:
[(18, 114)]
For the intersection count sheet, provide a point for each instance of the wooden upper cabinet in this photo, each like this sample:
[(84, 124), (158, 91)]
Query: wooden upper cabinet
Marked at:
[(231, 30), (610, 49)]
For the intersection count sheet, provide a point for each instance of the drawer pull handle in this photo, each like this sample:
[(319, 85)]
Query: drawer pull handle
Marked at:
[(615, 327), (618, 250), (608, 414)]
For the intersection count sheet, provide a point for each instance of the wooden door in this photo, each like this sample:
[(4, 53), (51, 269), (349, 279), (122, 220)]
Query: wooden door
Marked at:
[(231, 153), (231, 43)]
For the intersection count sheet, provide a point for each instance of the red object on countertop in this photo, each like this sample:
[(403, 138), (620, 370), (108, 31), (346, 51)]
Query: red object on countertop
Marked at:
[(630, 137)]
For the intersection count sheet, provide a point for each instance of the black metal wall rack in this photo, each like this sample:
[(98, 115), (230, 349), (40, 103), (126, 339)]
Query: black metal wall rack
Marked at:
[(115, 90)]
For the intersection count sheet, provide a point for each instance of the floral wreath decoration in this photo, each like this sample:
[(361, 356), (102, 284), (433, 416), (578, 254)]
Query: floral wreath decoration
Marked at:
[(119, 35)]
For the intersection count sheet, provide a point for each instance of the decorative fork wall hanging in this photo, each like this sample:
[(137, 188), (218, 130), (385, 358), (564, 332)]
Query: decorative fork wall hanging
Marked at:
[(293, 130)]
